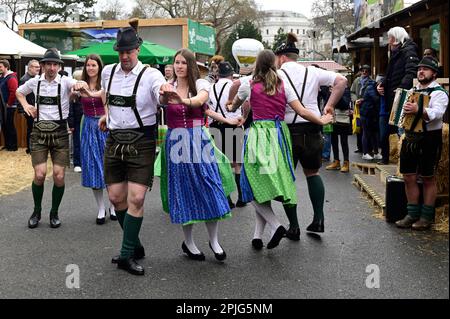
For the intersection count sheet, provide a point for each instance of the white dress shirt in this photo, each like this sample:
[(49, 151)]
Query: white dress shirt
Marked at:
[(50, 112), (212, 103), (436, 108), (147, 95), (316, 78)]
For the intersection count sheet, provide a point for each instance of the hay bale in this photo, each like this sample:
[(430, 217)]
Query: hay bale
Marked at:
[(442, 169), (441, 219)]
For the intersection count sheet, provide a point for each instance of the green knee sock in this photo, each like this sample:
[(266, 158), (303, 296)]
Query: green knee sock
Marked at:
[(413, 210), (120, 217), (57, 195), (38, 193), (317, 195), (291, 213), (131, 228), (427, 212)]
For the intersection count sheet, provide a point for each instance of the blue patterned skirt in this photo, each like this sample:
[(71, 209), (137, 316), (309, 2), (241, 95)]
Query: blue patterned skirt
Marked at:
[(92, 149), (194, 184)]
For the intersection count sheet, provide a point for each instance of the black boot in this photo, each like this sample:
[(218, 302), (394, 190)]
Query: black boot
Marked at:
[(34, 220), (54, 220), (239, 203)]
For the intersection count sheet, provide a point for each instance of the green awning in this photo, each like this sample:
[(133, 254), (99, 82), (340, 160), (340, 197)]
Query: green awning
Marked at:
[(151, 53)]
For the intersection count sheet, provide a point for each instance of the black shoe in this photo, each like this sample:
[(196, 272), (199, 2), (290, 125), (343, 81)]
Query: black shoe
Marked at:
[(139, 253), (112, 217), (257, 243), (293, 233), (130, 265), (54, 221), (276, 238), (100, 221), (34, 220), (199, 257), (358, 151), (219, 257), (230, 202), (316, 226), (240, 203)]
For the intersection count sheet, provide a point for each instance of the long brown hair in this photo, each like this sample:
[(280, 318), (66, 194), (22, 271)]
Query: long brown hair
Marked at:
[(266, 72), (193, 72), (84, 75)]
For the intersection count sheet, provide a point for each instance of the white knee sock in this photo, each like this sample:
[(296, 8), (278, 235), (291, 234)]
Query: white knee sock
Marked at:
[(98, 194), (266, 212), (189, 239), (260, 224), (112, 211), (213, 231)]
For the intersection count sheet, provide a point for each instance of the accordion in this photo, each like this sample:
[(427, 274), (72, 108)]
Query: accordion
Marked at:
[(401, 119)]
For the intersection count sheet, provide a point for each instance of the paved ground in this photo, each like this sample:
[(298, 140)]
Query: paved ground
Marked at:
[(33, 262)]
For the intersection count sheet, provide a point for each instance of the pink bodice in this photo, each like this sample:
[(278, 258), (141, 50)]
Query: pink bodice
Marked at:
[(267, 107), (92, 106), (179, 115)]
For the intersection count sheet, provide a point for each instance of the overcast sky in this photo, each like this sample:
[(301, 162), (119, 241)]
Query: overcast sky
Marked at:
[(303, 6)]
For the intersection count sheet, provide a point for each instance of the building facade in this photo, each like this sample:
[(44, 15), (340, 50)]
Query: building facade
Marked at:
[(288, 21)]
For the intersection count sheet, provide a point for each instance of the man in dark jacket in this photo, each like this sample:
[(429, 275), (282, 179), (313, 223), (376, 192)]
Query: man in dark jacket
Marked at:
[(401, 71), (8, 87), (32, 70)]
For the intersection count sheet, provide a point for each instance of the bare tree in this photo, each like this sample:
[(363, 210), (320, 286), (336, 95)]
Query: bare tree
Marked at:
[(113, 10), (344, 21), (20, 11), (223, 15)]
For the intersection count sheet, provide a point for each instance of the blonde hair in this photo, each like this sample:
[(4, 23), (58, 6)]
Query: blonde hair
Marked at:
[(77, 75), (266, 72)]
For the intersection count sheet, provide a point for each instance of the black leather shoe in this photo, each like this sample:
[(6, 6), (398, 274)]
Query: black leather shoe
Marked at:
[(317, 227), (199, 257), (257, 243), (139, 253), (130, 265), (54, 221), (358, 151), (34, 220), (240, 203), (100, 221), (112, 217), (219, 257), (293, 233), (276, 238)]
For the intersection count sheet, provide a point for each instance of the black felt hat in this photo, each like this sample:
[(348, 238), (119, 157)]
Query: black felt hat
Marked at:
[(128, 38), (225, 69), (429, 62), (52, 55), (288, 46)]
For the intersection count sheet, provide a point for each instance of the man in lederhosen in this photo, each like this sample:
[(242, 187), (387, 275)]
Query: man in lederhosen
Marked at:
[(49, 133), (307, 140), (132, 93)]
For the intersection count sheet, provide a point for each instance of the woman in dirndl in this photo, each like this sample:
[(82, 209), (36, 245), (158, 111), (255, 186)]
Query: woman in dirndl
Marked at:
[(196, 177), (92, 138), (268, 171)]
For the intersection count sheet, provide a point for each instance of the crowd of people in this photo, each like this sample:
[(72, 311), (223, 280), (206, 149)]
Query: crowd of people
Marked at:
[(247, 135)]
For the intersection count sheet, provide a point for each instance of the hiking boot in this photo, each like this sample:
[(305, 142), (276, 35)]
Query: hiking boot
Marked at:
[(422, 224), (406, 222), (336, 165), (346, 167)]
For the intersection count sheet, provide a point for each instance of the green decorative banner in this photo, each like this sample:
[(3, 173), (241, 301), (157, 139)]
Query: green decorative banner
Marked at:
[(202, 39), (436, 36)]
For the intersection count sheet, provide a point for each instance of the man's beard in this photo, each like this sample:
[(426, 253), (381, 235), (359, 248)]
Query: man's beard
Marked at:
[(426, 80)]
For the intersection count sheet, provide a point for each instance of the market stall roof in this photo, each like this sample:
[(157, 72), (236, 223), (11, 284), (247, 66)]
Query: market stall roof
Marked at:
[(327, 65), (151, 53), (14, 44)]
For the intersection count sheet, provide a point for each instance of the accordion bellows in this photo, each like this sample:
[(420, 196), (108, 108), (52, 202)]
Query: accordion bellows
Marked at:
[(401, 119)]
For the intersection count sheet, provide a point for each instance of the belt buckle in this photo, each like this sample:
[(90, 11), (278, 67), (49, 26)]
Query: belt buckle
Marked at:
[(126, 136), (47, 126)]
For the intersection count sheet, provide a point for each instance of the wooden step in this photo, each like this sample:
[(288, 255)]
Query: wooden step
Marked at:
[(385, 171), (373, 187), (366, 168)]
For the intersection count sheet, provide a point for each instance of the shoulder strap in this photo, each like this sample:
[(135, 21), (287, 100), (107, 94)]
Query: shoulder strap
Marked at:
[(110, 81), (218, 106), (37, 99), (58, 98), (134, 106), (300, 98)]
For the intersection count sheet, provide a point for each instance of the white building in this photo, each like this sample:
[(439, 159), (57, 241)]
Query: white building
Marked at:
[(289, 21)]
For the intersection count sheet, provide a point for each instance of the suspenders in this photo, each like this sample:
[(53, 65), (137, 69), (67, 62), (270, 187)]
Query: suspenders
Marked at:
[(126, 101), (300, 98), (48, 100), (218, 107)]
